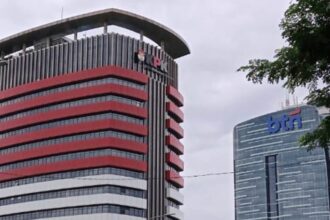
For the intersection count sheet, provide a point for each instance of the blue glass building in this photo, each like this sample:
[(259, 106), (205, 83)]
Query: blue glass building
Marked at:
[(275, 179)]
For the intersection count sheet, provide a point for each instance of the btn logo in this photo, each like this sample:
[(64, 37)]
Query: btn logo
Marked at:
[(286, 122), (151, 60)]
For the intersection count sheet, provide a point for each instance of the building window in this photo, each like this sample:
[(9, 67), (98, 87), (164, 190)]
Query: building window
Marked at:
[(271, 181)]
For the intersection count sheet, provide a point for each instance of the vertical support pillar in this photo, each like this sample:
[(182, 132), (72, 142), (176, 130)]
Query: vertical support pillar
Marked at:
[(75, 36), (141, 36), (24, 49), (105, 28), (48, 42), (162, 45)]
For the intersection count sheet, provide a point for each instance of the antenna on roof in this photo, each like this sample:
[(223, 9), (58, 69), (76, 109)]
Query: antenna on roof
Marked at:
[(287, 101), (62, 13)]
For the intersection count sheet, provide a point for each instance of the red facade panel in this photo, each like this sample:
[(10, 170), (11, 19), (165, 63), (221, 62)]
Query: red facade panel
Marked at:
[(175, 128), (71, 165), (74, 146), (174, 160), (174, 144), (174, 95), (76, 111), (75, 77), (174, 178), (75, 129), (75, 94), (172, 109)]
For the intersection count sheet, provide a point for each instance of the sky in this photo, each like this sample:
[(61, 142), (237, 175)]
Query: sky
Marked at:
[(222, 35)]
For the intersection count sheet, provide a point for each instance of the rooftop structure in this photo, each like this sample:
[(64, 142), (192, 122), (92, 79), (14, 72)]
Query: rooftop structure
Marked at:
[(174, 45)]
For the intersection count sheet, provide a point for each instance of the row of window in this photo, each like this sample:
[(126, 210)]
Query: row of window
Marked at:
[(74, 174), (83, 210), (74, 192), (79, 137), (70, 104), (173, 116), (170, 185), (72, 156), (170, 203), (170, 166), (73, 86), (72, 121)]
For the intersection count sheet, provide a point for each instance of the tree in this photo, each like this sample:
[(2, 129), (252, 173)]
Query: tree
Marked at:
[(303, 62)]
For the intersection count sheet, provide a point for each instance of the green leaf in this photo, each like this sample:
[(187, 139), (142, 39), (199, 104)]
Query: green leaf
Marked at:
[(304, 62)]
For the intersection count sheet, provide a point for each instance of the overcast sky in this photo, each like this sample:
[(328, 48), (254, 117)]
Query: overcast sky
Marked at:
[(222, 35)]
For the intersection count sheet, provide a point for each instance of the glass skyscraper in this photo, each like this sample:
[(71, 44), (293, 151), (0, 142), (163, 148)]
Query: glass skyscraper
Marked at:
[(274, 177)]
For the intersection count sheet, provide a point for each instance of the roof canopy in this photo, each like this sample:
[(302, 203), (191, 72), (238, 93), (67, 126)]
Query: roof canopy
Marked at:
[(174, 45)]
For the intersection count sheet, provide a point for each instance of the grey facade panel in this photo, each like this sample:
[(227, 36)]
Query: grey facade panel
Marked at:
[(156, 144), (86, 53)]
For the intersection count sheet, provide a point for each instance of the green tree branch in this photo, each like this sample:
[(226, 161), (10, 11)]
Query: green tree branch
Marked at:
[(304, 62)]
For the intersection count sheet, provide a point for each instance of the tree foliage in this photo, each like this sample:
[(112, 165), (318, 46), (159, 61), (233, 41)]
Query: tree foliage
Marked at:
[(304, 61)]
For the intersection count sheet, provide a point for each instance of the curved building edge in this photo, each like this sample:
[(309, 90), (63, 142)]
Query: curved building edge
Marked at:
[(174, 44)]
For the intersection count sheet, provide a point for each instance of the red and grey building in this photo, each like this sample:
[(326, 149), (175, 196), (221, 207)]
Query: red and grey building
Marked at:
[(90, 127)]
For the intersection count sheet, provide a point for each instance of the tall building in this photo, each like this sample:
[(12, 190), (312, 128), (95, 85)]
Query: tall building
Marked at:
[(275, 179), (90, 127)]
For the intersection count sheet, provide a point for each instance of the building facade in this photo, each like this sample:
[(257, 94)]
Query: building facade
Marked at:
[(274, 177), (90, 127)]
